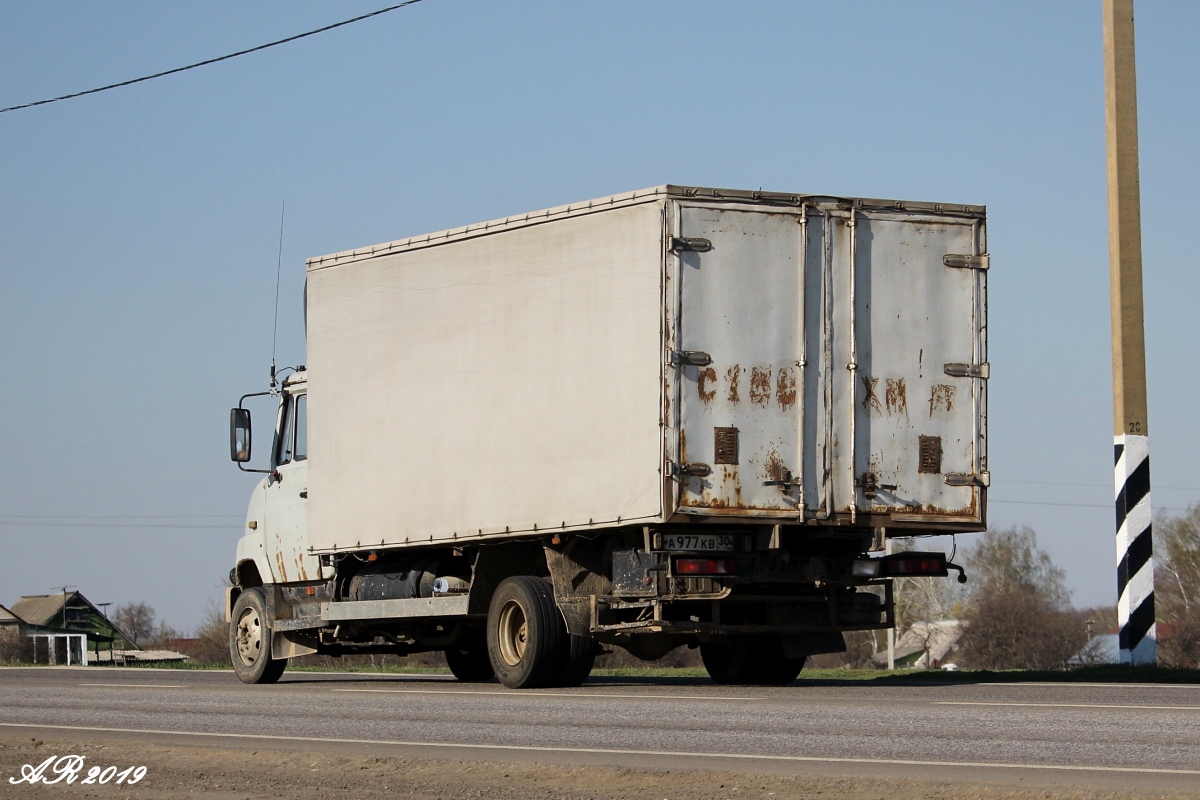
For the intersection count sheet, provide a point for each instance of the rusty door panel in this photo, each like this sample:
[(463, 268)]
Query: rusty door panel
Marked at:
[(829, 329), (915, 316), (751, 386)]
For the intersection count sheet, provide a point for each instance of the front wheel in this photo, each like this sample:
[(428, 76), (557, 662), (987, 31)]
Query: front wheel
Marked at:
[(250, 640), (525, 634)]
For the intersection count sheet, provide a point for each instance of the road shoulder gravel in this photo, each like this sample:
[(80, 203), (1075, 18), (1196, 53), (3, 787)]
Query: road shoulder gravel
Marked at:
[(221, 773)]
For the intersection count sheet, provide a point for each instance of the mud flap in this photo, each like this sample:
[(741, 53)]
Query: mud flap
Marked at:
[(290, 644)]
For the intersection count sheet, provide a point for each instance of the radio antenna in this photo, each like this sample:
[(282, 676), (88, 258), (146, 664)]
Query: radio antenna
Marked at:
[(278, 266)]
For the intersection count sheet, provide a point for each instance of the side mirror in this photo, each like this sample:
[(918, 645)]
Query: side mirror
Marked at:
[(239, 435)]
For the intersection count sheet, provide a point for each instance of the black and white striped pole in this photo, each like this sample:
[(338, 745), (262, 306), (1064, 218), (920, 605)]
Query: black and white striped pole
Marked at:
[(1135, 563)]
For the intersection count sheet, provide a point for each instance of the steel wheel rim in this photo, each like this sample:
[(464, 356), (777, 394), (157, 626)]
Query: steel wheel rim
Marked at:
[(514, 633), (249, 637)]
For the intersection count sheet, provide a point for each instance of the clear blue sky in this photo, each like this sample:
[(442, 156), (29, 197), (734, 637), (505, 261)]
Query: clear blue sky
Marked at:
[(138, 227)]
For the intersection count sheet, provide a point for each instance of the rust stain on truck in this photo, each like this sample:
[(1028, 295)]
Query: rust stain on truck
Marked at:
[(733, 376), (870, 399), (774, 466), (941, 398), (760, 385), (785, 388), (706, 385), (896, 397)]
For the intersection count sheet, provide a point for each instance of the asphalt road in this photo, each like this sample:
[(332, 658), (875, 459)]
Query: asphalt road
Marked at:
[(1091, 735)]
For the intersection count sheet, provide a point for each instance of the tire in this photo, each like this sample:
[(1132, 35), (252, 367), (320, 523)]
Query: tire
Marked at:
[(468, 659), (749, 661), (578, 659), (526, 636), (250, 640)]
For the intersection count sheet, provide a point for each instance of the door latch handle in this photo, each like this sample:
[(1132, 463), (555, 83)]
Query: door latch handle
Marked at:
[(785, 480), (693, 470)]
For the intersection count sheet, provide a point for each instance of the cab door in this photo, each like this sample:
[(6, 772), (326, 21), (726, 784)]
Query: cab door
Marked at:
[(286, 496)]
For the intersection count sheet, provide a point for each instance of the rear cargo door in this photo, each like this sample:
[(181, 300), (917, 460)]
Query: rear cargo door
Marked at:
[(738, 355), (915, 448)]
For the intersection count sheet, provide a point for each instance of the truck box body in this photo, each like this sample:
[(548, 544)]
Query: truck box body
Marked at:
[(667, 355)]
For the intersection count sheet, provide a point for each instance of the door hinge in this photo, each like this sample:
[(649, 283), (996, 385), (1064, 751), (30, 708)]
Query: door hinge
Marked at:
[(968, 479), (959, 370), (694, 469), (962, 261), (695, 244), (690, 358)]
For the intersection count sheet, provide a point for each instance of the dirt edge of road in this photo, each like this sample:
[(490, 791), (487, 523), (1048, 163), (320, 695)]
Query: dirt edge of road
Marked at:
[(221, 773)]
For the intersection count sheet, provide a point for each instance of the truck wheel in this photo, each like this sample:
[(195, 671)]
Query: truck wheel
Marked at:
[(578, 660), (749, 661), (250, 640), (468, 659), (525, 633)]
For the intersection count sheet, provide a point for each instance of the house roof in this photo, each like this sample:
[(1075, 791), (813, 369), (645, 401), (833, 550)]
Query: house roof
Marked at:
[(9, 618), (40, 609), (1102, 649), (46, 610)]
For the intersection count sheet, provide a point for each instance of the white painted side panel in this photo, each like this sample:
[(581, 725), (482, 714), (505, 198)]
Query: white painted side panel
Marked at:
[(491, 384)]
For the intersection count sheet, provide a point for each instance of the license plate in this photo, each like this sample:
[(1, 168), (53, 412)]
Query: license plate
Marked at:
[(700, 543)]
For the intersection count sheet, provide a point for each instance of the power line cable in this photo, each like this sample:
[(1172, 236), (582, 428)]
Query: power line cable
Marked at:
[(122, 526), (117, 516), (1097, 485), (1109, 506), (210, 60)]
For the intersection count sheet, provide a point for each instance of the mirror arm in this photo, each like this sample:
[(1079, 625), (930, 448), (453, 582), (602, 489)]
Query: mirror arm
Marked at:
[(240, 405), (254, 394)]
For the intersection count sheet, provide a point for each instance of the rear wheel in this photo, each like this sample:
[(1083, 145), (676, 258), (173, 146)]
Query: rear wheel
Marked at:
[(750, 661), (250, 640), (525, 634), (578, 659), (468, 658)]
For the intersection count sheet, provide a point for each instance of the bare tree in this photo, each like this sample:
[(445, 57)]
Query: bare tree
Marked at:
[(135, 620), (211, 644), (1177, 587), (1018, 611), (1011, 557), (1015, 628), (163, 634)]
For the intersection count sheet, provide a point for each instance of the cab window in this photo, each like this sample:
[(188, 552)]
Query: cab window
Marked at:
[(285, 446), (302, 427), (293, 436)]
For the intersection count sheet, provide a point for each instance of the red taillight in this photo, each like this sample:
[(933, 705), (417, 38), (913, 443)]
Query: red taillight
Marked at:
[(906, 565), (705, 566)]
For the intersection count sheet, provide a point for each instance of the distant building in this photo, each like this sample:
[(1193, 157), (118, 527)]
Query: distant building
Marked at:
[(14, 640), (1102, 649), (67, 629), (64, 626), (925, 645)]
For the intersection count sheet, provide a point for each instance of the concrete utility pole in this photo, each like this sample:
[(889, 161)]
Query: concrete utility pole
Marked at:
[(1135, 567)]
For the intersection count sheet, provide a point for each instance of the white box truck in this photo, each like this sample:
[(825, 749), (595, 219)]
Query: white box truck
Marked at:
[(677, 416)]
